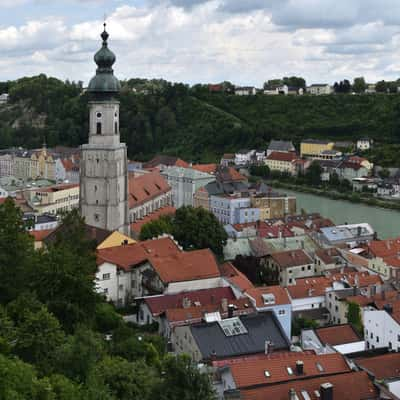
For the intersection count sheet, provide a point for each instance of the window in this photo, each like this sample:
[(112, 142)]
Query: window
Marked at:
[(106, 277), (96, 217), (302, 268), (281, 312), (289, 371), (390, 345), (98, 128), (371, 335), (377, 339), (398, 338), (116, 128), (121, 287), (309, 267), (98, 115), (105, 291)]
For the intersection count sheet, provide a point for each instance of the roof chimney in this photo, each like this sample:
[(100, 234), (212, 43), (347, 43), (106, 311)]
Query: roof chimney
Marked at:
[(292, 394), (299, 367), (388, 308), (186, 303), (224, 305), (231, 309), (269, 346), (326, 390)]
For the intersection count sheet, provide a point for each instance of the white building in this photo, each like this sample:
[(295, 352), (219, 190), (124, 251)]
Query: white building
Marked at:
[(6, 165), (4, 98), (364, 144), (244, 157), (184, 183), (318, 89), (245, 90)]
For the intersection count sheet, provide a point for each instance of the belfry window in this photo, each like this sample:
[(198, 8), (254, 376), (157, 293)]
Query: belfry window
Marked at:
[(116, 128), (98, 128)]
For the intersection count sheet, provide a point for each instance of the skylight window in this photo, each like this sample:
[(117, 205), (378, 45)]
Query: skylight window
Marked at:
[(232, 326), (319, 367), (289, 371), (267, 374), (305, 395)]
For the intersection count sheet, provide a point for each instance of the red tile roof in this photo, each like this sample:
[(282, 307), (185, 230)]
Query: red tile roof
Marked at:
[(309, 287), (326, 255), (169, 262), (291, 258), (41, 234), (384, 366), (280, 294), (207, 168), (393, 261), (146, 187), (195, 314), (337, 334), (252, 372), (69, 165), (281, 156), (159, 304), (236, 278), (137, 226), (348, 386), (385, 248)]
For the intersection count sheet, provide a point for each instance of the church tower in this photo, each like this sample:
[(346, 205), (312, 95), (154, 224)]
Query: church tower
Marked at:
[(103, 164)]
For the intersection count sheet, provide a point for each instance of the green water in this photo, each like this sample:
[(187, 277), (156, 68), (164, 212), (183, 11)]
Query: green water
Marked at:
[(385, 222)]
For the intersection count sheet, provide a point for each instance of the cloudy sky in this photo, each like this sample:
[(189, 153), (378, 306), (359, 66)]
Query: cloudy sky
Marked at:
[(244, 41)]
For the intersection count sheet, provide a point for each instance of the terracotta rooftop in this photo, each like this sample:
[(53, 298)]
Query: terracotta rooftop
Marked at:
[(337, 334), (207, 168), (385, 248), (137, 226), (41, 234), (166, 160), (195, 314), (236, 278), (309, 287), (348, 386), (327, 255), (169, 262), (280, 294), (146, 187), (384, 366), (159, 304), (291, 258), (281, 156), (252, 372)]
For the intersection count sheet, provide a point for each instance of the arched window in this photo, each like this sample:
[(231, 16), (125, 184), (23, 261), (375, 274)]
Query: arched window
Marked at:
[(116, 127), (98, 128)]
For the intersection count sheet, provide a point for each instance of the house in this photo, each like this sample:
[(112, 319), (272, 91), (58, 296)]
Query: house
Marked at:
[(231, 337), (314, 147), (162, 162), (277, 369), (382, 326), (233, 209), (282, 162), (39, 237), (280, 146), (371, 88), (364, 144), (184, 183), (153, 308), (54, 200), (351, 235), (244, 157), (346, 386), (153, 267), (228, 159), (148, 194), (326, 259), (6, 165), (318, 89), (115, 239), (67, 170), (385, 370), (291, 264), (275, 299), (350, 170), (4, 98), (245, 90), (340, 338), (307, 296)]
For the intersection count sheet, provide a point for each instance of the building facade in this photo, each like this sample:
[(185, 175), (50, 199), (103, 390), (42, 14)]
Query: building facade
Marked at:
[(104, 164)]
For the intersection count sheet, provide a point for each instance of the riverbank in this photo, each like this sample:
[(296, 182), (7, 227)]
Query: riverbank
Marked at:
[(353, 197)]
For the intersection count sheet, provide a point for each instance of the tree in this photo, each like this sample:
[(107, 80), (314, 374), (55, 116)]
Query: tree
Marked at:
[(260, 170), (197, 228), (359, 85), (384, 173), (181, 379), (354, 316), (295, 81), (155, 228), (313, 174), (17, 258), (125, 380)]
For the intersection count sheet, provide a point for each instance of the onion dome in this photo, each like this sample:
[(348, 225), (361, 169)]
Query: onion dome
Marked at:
[(104, 82)]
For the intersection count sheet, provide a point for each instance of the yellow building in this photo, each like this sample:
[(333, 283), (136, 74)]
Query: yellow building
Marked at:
[(114, 240), (282, 162), (54, 200), (314, 147)]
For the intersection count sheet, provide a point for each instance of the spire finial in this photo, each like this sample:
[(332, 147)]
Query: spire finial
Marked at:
[(104, 34)]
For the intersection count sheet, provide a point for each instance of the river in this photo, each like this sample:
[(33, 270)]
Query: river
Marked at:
[(385, 222)]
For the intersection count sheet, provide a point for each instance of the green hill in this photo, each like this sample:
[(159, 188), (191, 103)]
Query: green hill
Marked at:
[(191, 122)]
